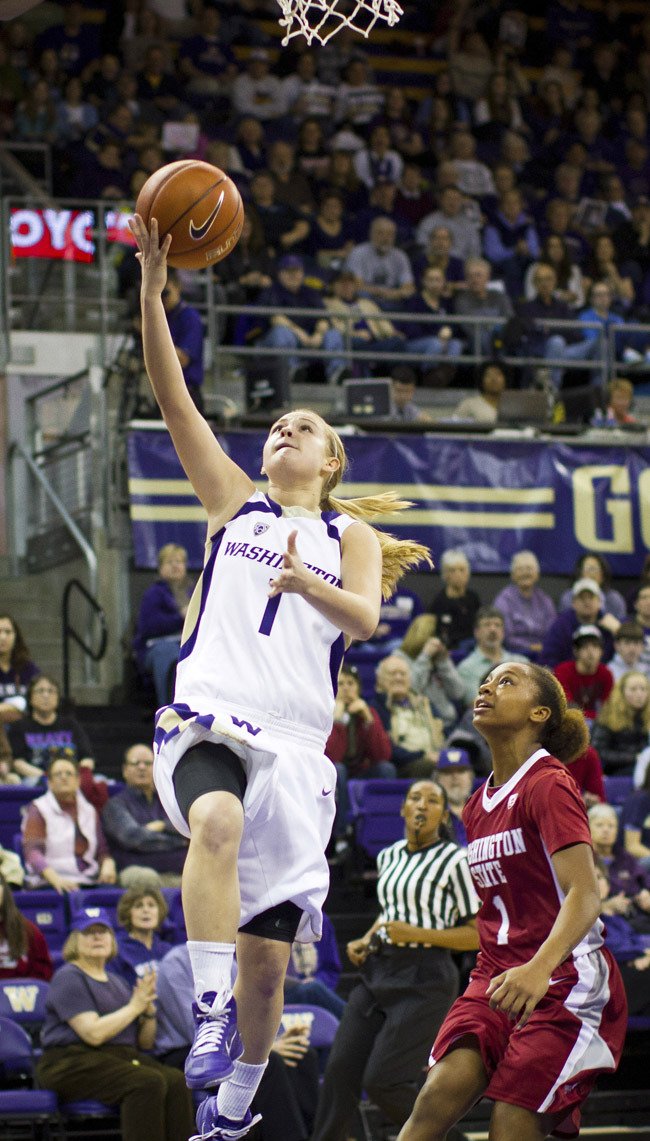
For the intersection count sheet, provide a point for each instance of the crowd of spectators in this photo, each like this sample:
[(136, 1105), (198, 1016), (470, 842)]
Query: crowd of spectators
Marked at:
[(516, 190), (519, 170), (403, 710)]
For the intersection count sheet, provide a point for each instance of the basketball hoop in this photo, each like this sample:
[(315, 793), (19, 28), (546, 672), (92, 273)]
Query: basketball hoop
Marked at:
[(321, 19)]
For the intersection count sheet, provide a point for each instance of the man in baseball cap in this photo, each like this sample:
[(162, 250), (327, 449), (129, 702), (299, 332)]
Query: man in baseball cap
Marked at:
[(585, 680), (456, 775), (586, 609)]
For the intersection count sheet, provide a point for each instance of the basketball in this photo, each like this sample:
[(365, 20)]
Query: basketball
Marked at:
[(199, 206)]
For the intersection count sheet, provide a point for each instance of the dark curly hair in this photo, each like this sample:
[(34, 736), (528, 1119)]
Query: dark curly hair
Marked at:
[(565, 734)]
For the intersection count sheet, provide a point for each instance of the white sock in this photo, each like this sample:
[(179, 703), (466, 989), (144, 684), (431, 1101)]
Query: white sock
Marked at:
[(235, 1095), (212, 970)]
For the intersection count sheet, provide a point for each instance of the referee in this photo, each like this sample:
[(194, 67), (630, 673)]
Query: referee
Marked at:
[(408, 978)]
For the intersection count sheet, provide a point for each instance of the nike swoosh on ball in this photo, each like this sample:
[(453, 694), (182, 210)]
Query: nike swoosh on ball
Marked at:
[(198, 232)]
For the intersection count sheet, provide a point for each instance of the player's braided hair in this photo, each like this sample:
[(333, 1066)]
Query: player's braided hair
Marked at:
[(397, 555), (565, 734)]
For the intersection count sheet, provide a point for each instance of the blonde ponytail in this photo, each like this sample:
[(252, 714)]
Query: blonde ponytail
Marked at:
[(397, 555)]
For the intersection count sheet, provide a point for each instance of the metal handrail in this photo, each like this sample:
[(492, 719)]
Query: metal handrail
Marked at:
[(69, 633), (16, 448), (474, 324)]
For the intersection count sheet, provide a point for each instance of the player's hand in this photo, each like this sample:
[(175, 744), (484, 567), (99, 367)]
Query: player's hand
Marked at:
[(152, 254), (358, 951), (516, 992), (294, 576)]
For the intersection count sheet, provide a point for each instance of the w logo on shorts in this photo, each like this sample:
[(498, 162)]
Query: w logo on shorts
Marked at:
[(260, 528)]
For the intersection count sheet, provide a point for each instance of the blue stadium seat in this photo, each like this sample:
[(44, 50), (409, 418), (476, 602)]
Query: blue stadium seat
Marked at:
[(22, 1109), (617, 789), (49, 911), (375, 809), (13, 799), (322, 1023), (23, 1000)]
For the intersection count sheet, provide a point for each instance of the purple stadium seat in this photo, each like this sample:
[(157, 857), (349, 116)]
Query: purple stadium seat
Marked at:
[(21, 1109), (23, 1000), (375, 810), (322, 1023), (49, 911), (13, 798), (617, 790)]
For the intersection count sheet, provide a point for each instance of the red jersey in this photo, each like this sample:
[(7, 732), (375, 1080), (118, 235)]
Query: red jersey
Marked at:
[(512, 832)]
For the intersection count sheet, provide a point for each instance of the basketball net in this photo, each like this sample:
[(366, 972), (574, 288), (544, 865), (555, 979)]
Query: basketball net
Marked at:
[(321, 19)]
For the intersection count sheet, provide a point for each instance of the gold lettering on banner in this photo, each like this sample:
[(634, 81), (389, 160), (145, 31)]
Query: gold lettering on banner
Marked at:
[(644, 506), (585, 514)]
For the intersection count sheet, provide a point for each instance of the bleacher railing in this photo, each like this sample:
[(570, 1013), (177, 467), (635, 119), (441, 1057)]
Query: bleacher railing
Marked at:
[(77, 290)]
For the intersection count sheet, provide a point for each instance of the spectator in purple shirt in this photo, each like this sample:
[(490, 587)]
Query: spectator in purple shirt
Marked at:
[(157, 639), (205, 61), (511, 241), (75, 42), (313, 972), (186, 328), (586, 610), (629, 883), (136, 825), (97, 1034), (141, 912), (527, 610), (630, 949)]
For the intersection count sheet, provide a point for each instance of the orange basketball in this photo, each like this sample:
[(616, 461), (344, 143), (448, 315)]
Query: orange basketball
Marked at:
[(199, 206)]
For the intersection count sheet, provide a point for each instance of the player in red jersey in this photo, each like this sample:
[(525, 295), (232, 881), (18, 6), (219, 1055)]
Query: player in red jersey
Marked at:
[(544, 1012)]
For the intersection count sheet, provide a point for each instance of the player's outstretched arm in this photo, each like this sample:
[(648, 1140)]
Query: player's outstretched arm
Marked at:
[(219, 483), (354, 608)]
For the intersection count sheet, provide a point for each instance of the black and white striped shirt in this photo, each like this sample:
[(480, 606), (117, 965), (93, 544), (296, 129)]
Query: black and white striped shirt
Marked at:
[(431, 888)]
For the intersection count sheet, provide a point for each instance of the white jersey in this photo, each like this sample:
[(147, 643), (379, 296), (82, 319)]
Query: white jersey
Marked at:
[(243, 649)]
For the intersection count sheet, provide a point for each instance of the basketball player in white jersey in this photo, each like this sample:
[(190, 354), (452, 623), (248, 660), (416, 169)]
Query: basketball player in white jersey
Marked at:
[(289, 577)]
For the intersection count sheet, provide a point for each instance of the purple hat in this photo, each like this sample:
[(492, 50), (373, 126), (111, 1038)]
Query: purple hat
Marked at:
[(291, 261), (88, 917), (453, 759)]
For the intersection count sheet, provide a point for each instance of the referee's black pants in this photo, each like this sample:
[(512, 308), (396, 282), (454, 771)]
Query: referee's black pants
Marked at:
[(384, 1039)]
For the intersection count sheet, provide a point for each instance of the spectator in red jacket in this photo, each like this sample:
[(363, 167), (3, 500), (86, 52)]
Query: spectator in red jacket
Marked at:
[(587, 772), (358, 745), (585, 680), (23, 950)]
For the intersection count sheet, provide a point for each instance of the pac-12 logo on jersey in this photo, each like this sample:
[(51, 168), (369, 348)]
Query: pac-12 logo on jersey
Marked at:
[(512, 799), (260, 528)]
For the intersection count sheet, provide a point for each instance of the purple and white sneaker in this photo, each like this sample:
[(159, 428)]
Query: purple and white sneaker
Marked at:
[(216, 1046), (215, 1127)]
